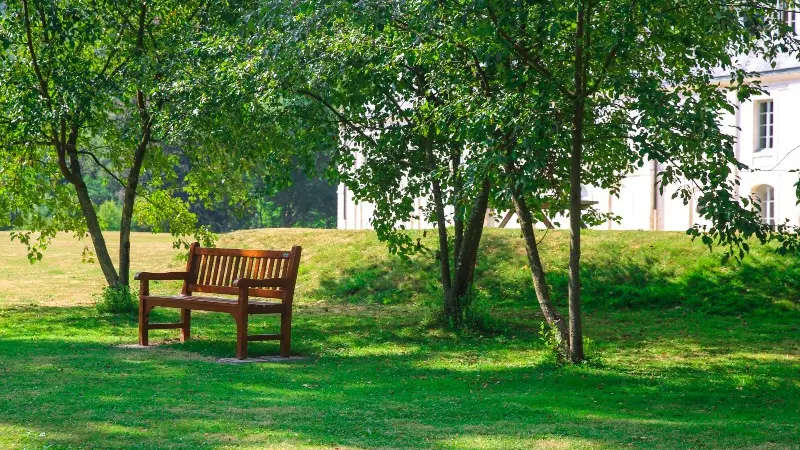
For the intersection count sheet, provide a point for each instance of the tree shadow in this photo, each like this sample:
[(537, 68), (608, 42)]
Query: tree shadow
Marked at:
[(379, 388), (651, 276), (392, 281)]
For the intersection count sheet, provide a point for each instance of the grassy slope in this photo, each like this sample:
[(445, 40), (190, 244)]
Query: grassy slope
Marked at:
[(663, 376)]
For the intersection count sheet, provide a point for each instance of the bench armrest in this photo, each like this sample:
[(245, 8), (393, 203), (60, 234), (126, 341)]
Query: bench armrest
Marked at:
[(161, 276), (243, 283)]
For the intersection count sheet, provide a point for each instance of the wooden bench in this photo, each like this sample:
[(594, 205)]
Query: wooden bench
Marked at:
[(245, 273)]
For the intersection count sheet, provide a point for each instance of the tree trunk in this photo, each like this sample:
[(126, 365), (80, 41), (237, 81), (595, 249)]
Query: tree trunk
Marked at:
[(458, 217), (441, 226), (465, 265), (132, 182), (554, 319), (444, 251), (75, 177), (575, 325), (127, 208)]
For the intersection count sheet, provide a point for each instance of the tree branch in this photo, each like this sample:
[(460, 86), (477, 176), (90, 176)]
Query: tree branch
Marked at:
[(34, 60), (533, 61), (338, 114), (103, 167)]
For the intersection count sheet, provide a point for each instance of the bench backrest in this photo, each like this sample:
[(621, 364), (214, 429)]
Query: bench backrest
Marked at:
[(214, 270)]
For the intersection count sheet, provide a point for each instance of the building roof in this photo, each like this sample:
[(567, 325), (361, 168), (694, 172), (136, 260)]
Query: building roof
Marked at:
[(785, 63)]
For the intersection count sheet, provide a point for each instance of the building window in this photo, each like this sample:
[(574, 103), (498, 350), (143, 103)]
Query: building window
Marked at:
[(344, 202), (766, 125), (787, 15), (765, 196)]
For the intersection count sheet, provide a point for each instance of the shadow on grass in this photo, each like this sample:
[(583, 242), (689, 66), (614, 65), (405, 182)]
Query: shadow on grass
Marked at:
[(381, 382), (390, 282), (651, 276), (648, 276)]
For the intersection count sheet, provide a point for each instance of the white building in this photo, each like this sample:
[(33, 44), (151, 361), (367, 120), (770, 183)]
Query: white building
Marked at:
[(767, 131)]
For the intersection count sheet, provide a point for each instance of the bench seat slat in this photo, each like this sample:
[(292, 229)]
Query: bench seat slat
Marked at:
[(253, 292), (213, 304)]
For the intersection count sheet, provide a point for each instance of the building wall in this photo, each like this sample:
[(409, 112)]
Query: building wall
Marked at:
[(766, 167)]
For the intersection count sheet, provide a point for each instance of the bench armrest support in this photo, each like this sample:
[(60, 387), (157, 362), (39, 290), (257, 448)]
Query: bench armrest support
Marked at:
[(146, 276)]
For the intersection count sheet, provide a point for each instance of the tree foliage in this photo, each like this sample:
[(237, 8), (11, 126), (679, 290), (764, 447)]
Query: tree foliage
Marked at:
[(616, 84), (131, 88), (526, 101)]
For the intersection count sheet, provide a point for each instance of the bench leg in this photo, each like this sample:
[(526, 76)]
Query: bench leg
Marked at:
[(144, 318), (286, 333), (186, 320), (241, 335)]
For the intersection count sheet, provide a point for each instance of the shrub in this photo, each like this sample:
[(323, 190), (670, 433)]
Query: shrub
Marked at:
[(116, 300)]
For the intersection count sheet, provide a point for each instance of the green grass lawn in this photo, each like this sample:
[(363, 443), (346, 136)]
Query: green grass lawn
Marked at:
[(686, 354)]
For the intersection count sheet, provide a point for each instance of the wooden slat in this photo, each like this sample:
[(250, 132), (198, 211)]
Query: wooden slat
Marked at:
[(203, 269), (216, 260), (270, 269), (210, 272), (233, 262), (248, 268), (199, 268), (221, 275), (266, 293), (284, 269), (207, 304), (269, 283), (223, 272), (201, 272), (239, 269), (279, 271), (262, 269), (242, 252), (206, 268), (227, 290), (276, 264), (212, 275)]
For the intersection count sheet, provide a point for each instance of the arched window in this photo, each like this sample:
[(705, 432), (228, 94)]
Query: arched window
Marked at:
[(765, 196)]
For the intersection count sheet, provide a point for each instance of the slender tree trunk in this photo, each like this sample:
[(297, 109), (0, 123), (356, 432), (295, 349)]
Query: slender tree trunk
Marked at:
[(465, 265), (554, 319), (132, 182), (441, 227), (75, 177), (458, 218), (575, 325), (127, 209)]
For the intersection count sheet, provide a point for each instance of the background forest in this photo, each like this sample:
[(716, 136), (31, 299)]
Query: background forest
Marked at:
[(310, 202)]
